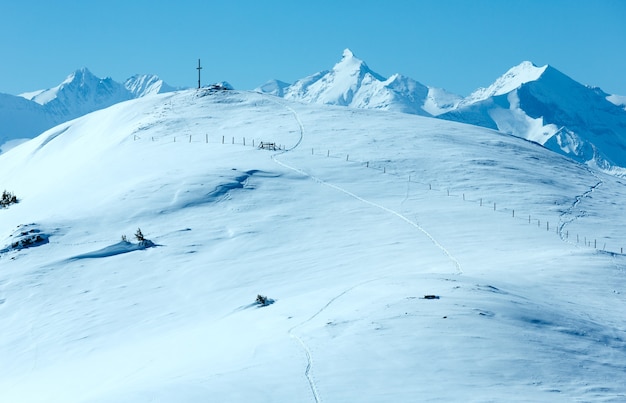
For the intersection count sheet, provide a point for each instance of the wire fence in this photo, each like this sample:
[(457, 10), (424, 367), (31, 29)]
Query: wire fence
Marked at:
[(540, 220)]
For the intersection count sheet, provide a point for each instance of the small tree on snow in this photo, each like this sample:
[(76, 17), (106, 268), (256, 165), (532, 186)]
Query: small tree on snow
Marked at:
[(7, 199), (139, 235)]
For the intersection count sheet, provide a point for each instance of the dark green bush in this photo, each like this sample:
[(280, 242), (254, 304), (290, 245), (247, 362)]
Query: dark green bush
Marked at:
[(7, 199)]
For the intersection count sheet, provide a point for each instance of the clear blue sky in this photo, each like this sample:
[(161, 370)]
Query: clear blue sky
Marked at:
[(458, 45)]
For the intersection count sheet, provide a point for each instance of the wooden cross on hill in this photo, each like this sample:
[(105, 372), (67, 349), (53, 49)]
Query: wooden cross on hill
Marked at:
[(199, 68)]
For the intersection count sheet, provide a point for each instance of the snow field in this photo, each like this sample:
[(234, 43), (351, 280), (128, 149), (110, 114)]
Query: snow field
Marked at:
[(347, 252)]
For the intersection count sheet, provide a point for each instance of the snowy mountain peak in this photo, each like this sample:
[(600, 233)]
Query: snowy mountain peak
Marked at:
[(352, 83), (81, 76), (545, 106), (352, 65), (514, 78), (146, 84)]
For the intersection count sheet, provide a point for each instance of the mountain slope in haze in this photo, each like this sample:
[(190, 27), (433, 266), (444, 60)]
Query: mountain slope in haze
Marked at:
[(25, 116), (21, 119), (80, 93), (544, 105), (352, 83), (408, 258)]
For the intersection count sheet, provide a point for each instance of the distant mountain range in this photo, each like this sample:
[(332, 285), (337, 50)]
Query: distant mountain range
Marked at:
[(27, 115), (352, 83), (540, 104)]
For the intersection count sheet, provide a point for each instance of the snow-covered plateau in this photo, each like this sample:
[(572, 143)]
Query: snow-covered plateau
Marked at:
[(404, 259)]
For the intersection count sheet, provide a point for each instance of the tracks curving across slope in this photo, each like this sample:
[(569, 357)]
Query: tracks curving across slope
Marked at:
[(395, 213), (569, 212)]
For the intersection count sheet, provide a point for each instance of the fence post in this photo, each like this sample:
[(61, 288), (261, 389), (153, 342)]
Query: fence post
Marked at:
[(252, 142), (547, 226), (190, 138), (328, 153), (448, 190), (174, 139), (244, 141), (430, 186), (347, 155), (367, 164), (222, 139), (494, 206), (233, 140), (463, 196), (311, 151), (384, 170), (513, 213)]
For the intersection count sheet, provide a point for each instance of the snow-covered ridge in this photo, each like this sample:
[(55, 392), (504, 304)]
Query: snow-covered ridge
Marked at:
[(509, 81), (141, 85), (352, 83), (546, 106)]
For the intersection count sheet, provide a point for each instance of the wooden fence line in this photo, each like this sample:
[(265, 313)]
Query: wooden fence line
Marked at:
[(563, 235)]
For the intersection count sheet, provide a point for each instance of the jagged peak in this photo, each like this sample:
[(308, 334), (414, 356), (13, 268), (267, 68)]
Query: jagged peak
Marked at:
[(348, 59), (514, 78), (350, 63), (82, 74)]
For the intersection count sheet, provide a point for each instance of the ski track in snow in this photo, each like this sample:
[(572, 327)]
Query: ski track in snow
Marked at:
[(306, 349), (457, 265), (577, 201)]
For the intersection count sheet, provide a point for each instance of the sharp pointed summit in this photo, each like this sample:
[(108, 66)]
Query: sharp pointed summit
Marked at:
[(545, 106), (352, 83)]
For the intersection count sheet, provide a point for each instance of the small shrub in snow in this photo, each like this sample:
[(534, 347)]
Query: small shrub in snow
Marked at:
[(143, 242), (7, 199), (124, 239), (139, 235), (262, 300)]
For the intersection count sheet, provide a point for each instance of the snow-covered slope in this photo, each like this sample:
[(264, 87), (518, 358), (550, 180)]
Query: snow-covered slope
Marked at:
[(408, 258), (618, 100), (352, 83), (544, 105), (31, 113), (20, 119)]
